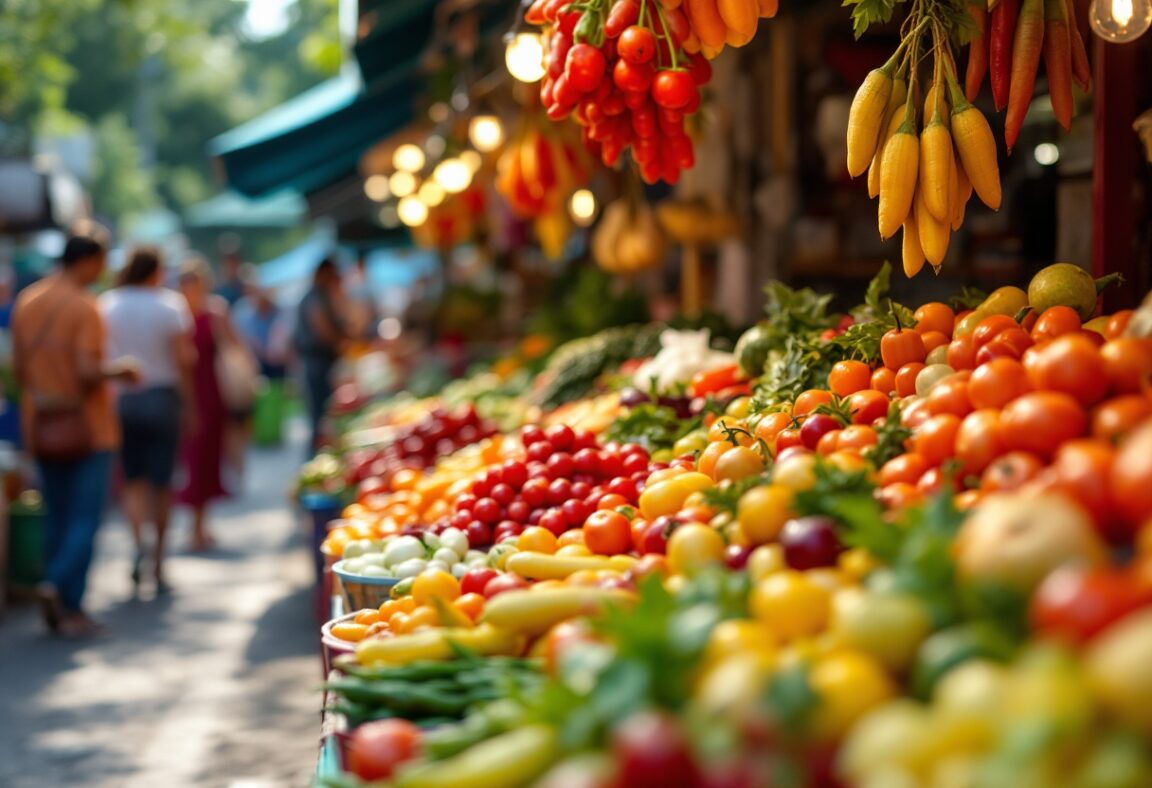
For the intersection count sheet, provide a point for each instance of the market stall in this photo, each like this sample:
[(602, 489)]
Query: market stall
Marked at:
[(738, 502)]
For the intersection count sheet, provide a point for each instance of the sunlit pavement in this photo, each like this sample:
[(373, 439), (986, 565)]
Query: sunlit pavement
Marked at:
[(214, 684)]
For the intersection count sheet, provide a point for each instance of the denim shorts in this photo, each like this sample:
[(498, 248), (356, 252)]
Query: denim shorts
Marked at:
[(150, 420)]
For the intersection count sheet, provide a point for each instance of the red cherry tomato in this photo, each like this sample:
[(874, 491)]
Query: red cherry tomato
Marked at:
[(673, 89), (1075, 603), (637, 45)]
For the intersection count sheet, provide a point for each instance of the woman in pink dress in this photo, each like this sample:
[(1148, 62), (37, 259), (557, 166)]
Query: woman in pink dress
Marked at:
[(203, 450)]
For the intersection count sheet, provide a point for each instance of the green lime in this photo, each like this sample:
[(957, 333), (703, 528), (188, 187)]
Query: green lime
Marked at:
[(1063, 284)]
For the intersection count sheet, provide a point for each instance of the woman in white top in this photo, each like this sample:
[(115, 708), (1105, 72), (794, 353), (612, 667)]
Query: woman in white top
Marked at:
[(150, 324)]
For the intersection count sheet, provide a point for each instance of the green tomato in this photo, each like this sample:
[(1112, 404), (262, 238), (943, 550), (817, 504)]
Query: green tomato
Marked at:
[(693, 442), (889, 626)]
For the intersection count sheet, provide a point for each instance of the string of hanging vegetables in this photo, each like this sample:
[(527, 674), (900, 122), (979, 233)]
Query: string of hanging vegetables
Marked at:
[(925, 161)]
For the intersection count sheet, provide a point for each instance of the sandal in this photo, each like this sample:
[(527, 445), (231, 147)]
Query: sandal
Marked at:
[(80, 627)]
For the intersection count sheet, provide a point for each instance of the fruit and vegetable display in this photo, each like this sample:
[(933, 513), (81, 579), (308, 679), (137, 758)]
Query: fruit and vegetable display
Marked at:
[(904, 545), (913, 126)]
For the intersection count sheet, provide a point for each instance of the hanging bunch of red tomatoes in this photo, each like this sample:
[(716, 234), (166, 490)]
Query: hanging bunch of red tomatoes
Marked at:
[(620, 69)]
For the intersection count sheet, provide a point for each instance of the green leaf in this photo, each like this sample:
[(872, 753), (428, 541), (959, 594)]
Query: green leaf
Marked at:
[(652, 426), (866, 13), (967, 298), (726, 497), (890, 438), (791, 699)]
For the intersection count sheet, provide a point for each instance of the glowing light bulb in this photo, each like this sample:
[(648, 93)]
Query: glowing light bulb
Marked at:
[(472, 159), (1046, 154), (524, 57), (402, 183), (408, 158), (376, 188), (431, 193), (486, 132), (1120, 21), (453, 174), (411, 211), (582, 206)]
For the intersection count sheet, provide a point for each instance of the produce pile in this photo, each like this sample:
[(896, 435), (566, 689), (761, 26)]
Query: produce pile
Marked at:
[(896, 546)]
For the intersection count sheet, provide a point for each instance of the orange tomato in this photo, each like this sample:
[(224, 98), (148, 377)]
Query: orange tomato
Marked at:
[(367, 617), (706, 463), (901, 346), (768, 427), (405, 604), (1055, 321), (608, 533), (916, 414), (934, 480), (899, 495), (1010, 471), (950, 396), (857, 436), (906, 379), (536, 539), (611, 501), (1072, 365), (471, 605), (347, 630), (421, 618), (739, 462), (997, 383), (1040, 421), (904, 468), (571, 536), (1128, 364), (638, 529), (978, 440), (989, 327), (1114, 418), (967, 499), (935, 439), (1082, 468), (935, 316), (727, 429), (1131, 481), (884, 380), (848, 377), (935, 339), (828, 443), (405, 479), (809, 400)]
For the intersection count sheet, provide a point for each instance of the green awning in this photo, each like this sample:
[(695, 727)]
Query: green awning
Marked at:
[(231, 209), (317, 137)]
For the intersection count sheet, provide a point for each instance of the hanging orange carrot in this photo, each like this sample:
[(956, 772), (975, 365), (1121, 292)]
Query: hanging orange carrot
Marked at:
[(1081, 69), (1027, 50), (977, 51)]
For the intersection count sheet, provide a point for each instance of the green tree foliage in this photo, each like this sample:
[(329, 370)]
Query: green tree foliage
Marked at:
[(154, 80)]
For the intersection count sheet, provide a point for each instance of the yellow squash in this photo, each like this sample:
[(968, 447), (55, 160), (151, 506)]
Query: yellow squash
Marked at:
[(898, 177), (866, 117)]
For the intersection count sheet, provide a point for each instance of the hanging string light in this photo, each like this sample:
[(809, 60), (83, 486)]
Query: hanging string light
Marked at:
[(524, 56), (1120, 21), (453, 174), (412, 211), (582, 207), (408, 158), (486, 132), (376, 188), (431, 193), (402, 183)]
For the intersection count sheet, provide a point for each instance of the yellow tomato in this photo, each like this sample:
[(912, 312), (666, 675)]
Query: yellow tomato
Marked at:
[(739, 635), (737, 463), (796, 473), (668, 473), (762, 512), (434, 584), (738, 408), (848, 461), (857, 563), (729, 429), (668, 496), (573, 549), (693, 547), (765, 560), (695, 441), (888, 626), (850, 684), (537, 540), (790, 604)]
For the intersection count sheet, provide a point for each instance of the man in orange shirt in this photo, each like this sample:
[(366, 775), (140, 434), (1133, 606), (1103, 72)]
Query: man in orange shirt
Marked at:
[(58, 349)]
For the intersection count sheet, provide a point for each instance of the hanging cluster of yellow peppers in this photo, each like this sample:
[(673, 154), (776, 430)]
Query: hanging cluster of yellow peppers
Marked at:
[(924, 161)]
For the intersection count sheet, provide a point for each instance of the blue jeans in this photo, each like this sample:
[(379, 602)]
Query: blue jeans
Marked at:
[(74, 495)]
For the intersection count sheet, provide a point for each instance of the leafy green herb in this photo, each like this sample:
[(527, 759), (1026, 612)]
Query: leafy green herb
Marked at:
[(805, 364), (967, 298), (796, 311), (791, 699), (726, 497), (652, 426), (874, 318), (866, 13), (890, 438)]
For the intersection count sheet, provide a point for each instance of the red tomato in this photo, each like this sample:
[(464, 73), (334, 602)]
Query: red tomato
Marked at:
[(934, 339), (1010, 471), (936, 479), (1117, 323), (962, 353), (1131, 480), (1076, 603), (637, 45), (1055, 321), (376, 748), (768, 427), (504, 582), (906, 379), (632, 78), (788, 438), (904, 468), (673, 89), (1072, 365), (607, 533), (1128, 364), (828, 443), (1082, 468), (585, 67), (916, 414), (1115, 418), (978, 440), (475, 580), (935, 439), (899, 495), (997, 383), (868, 405), (857, 436), (1040, 421), (988, 328)]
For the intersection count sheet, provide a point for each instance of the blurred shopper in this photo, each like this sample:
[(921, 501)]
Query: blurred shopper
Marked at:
[(319, 339), (260, 323), (231, 286), (203, 452), (152, 325), (362, 315), (70, 423)]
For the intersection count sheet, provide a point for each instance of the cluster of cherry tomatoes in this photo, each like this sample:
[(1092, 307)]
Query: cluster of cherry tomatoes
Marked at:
[(619, 69)]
